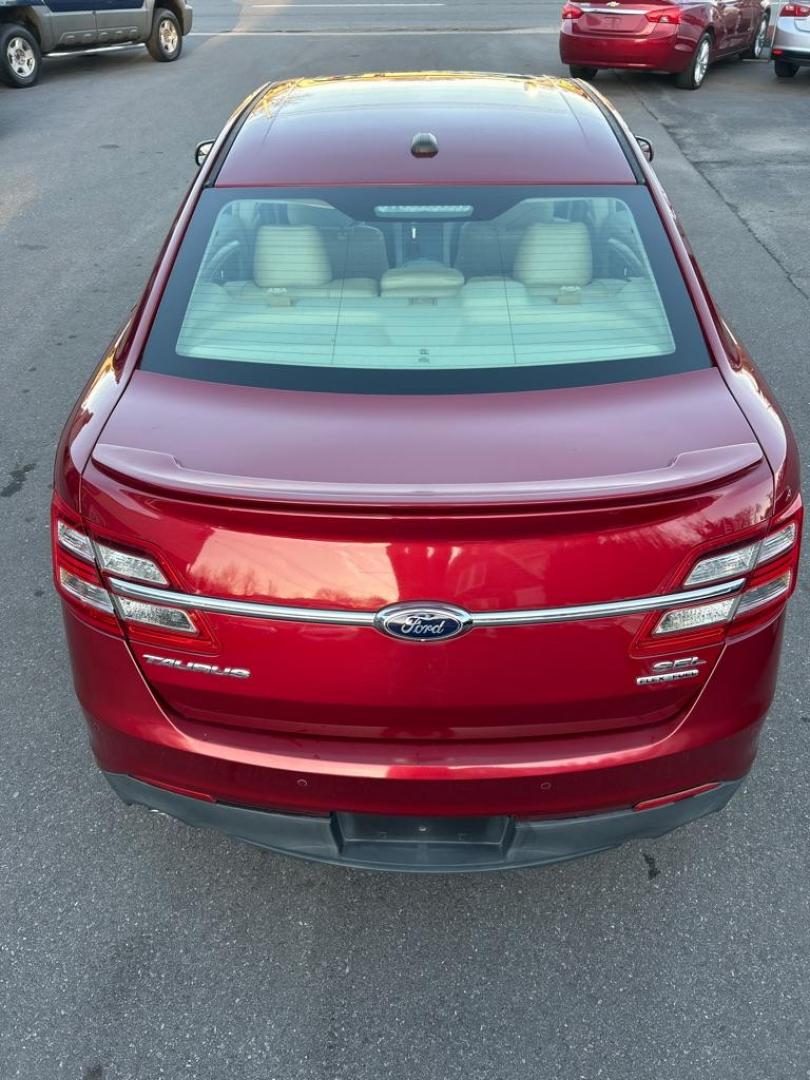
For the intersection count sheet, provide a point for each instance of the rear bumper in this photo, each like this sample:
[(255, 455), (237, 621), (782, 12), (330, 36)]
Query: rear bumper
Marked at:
[(134, 735), (665, 51), (791, 40), (425, 844), (791, 56)]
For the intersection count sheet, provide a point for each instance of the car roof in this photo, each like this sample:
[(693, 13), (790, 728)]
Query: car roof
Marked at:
[(489, 128)]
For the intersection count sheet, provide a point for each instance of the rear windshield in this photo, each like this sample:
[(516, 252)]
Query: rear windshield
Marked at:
[(425, 290)]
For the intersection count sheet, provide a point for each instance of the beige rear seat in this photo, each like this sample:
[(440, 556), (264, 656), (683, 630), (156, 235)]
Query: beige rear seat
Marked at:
[(418, 280), (291, 260)]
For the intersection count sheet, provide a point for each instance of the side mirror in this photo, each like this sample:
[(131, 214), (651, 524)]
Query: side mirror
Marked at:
[(646, 147), (203, 150)]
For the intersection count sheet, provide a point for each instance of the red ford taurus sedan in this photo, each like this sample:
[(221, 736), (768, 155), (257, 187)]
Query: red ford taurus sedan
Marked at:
[(681, 37), (425, 514)]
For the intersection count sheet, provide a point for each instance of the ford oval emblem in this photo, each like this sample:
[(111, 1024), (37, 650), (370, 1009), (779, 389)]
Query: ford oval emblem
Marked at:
[(423, 622)]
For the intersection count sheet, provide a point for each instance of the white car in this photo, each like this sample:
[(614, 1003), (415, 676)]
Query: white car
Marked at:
[(790, 48)]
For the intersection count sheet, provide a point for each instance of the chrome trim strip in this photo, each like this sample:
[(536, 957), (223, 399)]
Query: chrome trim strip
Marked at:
[(621, 10), (252, 608), (643, 604), (336, 616)]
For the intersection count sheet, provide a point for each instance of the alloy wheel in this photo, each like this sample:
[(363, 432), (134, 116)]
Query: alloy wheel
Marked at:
[(702, 62), (21, 58), (759, 40), (167, 35)]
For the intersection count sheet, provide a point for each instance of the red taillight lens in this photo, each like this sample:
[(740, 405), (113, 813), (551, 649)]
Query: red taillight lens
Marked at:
[(85, 572), (571, 11), (773, 580), (125, 564), (764, 594), (75, 572), (698, 617), (798, 11), (738, 561), (668, 15), (766, 572)]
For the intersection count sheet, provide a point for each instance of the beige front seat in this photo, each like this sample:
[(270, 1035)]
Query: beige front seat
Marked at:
[(292, 261), (487, 249), (554, 256)]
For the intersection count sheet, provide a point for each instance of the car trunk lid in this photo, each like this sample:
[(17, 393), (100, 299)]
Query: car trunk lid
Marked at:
[(617, 17), (495, 503)]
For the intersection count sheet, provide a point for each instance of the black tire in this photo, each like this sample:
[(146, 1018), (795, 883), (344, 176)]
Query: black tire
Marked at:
[(580, 71), (165, 43), (20, 58), (691, 78), (784, 69), (757, 46)]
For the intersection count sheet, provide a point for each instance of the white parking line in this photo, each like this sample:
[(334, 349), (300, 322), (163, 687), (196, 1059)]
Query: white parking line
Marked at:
[(294, 7), (371, 33)]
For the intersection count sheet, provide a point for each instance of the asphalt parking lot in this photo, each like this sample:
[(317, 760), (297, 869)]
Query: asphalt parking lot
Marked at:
[(132, 947)]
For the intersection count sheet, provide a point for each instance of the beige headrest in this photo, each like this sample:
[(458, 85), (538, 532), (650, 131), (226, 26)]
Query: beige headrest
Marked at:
[(555, 254), (287, 256), (318, 213), (421, 279)]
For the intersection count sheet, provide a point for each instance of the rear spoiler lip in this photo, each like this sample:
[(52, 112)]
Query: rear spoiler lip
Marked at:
[(688, 471)]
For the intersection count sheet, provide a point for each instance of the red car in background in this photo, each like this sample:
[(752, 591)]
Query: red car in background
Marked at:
[(426, 514), (681, 38)]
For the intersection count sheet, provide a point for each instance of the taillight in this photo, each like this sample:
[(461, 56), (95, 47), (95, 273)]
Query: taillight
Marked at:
[(740, 560), (670, 15), (155, 615), (73, 540), (75, 571), (87, 592), (571, 11), (798, 11), (81, 566), (778, 542), (767, 572), (681, 620), (766, 593), (125, 564)]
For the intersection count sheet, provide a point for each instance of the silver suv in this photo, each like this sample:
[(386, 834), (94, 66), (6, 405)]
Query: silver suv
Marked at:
[(29, 31), (790, 48)]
